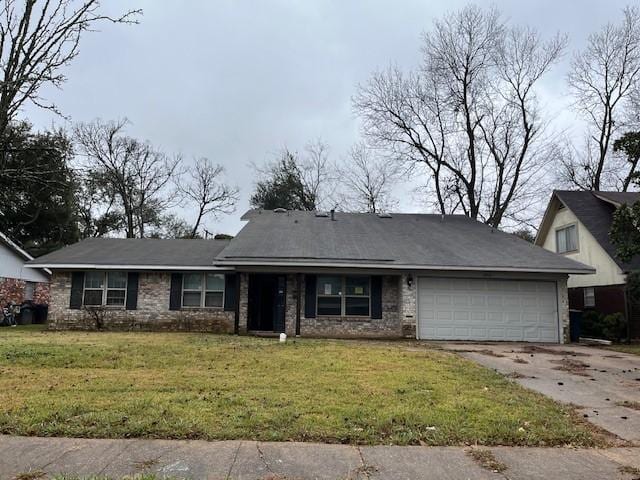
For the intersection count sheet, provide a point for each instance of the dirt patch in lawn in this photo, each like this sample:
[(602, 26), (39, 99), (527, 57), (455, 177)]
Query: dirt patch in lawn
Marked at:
[(575, 367)]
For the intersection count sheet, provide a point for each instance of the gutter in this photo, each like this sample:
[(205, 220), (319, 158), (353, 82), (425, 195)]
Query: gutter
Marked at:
[(241, 263), (93, 266)]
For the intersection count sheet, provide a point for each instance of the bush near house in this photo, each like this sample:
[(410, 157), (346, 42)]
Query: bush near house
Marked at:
[(610, 327)]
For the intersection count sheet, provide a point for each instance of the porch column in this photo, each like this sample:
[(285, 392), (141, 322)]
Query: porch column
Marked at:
[(243, 303)]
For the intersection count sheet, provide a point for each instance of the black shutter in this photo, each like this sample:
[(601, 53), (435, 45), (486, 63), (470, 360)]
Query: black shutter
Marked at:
[(175, 296), (229, 292), (376, 296), (77, 285), (132, 291), (310, 296)]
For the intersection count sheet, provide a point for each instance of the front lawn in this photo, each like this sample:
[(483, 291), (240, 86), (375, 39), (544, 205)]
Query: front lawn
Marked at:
[(204, 386), (626, 348)]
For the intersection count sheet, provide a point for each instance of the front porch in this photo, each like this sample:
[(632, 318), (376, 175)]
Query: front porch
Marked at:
[(370, 306)]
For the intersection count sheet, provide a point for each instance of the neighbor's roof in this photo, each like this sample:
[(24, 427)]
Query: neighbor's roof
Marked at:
[(412, 241), (14, 246), (595, 212), (134, 253), (618, 198)]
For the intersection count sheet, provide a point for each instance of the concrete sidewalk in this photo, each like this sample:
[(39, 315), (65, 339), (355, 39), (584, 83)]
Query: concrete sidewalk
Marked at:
[(244, 460)]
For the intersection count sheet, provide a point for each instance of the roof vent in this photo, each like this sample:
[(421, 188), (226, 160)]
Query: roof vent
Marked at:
[(384, 215), (279, 210), (322, 214)]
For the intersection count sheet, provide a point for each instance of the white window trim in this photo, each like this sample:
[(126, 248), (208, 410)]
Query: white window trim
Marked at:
[(343, 297), (104, 289), (593, 296), (202, 291), (564, 227)]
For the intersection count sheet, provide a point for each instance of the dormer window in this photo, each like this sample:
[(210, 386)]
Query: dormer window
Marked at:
[(567, 239)]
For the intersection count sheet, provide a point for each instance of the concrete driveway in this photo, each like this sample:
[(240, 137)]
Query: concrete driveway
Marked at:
[(600, 382)]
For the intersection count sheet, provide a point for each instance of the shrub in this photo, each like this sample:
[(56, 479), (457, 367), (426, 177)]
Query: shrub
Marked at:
[(611, 327)]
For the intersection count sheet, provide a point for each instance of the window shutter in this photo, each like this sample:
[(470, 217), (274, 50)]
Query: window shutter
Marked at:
[(77, 285), (229, 292), (132, 291), (310, 296), (376, 296), (175, 295)]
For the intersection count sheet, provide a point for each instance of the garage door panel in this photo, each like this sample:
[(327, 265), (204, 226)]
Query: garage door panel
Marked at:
[(487, 309)]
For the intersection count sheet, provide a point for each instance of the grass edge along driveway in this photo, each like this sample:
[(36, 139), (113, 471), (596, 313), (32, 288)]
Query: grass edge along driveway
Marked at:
[(213, 387)]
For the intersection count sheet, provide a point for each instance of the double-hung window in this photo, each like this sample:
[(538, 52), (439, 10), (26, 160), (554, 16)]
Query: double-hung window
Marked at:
[(105, 288), (567, 239), (202, 290), (344, 295), (589, 297)]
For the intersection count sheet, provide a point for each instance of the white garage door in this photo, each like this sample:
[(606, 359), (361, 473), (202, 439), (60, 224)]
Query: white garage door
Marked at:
[(482, 309)]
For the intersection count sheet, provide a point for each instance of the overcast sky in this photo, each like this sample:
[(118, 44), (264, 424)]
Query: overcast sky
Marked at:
[(236, 80)]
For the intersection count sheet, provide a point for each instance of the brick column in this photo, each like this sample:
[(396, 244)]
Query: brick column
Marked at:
[(244, 304)]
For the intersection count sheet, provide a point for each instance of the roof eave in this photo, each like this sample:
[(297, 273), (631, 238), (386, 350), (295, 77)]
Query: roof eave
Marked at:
[(95, 266), (395, 266)]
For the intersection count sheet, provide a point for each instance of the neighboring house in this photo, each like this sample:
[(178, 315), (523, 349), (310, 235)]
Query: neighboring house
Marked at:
[(315, 274), (576, 224), (17, 282)]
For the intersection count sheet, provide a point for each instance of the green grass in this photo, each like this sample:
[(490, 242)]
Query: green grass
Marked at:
[(626, 348), (188, 386)]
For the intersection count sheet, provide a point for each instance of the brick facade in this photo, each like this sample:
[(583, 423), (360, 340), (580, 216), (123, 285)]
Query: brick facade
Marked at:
[(152, 312), (14, 290), (399, 295)]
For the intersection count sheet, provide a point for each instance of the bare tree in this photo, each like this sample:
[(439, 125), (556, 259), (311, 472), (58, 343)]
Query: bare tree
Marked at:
[(37, 40), (137, 174), (603, 78), (469, 117), (207, 190), (367, 181)]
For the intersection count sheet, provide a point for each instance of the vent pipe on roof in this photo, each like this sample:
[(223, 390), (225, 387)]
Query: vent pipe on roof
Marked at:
[(333, 214)]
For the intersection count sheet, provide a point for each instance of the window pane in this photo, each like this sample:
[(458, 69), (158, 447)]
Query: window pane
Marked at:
[(329, 285), (93, 280), (215, 281), (357, 306), (93, 297), (589, 297), (116, 280), (115, 297), (192, 281), (572, 240), (329, 305), (213, 299), (357, 286), (561, 241), (191, 299)]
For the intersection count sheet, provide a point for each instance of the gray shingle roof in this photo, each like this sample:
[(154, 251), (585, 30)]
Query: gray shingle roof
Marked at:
[(619, 198), (597, 216), (359, 239), (145, 252)]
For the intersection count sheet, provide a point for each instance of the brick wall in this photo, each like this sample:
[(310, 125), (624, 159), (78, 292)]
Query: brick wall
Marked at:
[(408, 305), (389, 326), (152, 311), (563, 305), (13, 290)]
